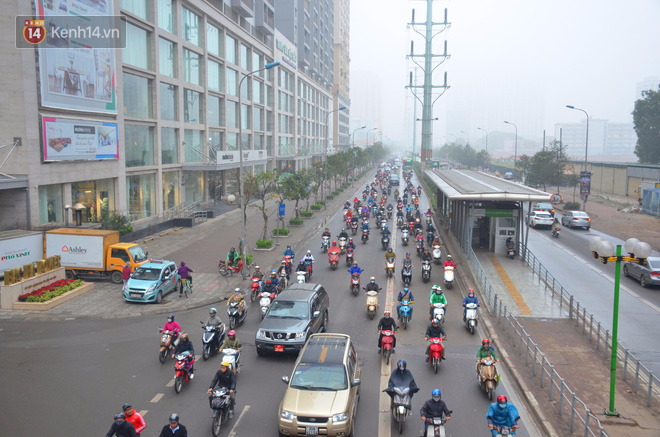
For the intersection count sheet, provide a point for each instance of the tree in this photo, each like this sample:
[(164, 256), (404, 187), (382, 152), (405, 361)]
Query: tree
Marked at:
[(296, 188), (317, 175), (524, 164), (248, 193), (262, 185), (646, 119)]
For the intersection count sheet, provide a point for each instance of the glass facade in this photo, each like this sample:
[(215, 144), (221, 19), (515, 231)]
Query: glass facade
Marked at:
[(98, 198), (215, 140), (166, 17), (230, 49), (232, 82), (256, 64), (245, 117), (192, 107), (191, 67), (194, 186), (169, 145), (190, 26), (256, 91), (171, 197), (214, 73), (166, 57), (141, 201), (139, 142), (214, 104), (137, 7), (213, 40), (245, 58), (137, 96), (232, 141), (168, 98), (51, 204), (137, 51), (194, 146), (256, 118), (231, 117)]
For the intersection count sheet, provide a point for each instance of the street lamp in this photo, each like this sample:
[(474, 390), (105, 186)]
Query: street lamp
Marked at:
[(486, 137), (240, 151), (367, 145), (468, 137), (325, 152), (586, 147), (455, 138), (638, 251), (515, 151)]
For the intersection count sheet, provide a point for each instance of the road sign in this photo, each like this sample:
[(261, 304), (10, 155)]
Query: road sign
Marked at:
[(555, 199), (282, 209)]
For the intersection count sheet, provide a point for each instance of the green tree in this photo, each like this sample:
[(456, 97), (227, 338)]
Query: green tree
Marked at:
[(296, 188), (262, 185), (646, 119)]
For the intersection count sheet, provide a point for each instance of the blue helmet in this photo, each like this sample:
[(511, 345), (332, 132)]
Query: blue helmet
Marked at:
[(436, 392)]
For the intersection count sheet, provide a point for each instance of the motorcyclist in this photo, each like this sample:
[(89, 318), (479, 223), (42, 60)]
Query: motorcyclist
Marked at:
[(121, 427), (333, 250), (233, 258), (556, 226), (308, 257), (269, 287), (326, 233), (372, 286), (186, 345), (419, 237), (407, 260), (226, 379), (399, 215), (385, 231), (348, 215), (387, 323), (426, 255), (347, 204), (214, 320), (184, 272), (283, 268), (355, 269), (174, 327), (354, 220), (390, 253), (430, 236), (502, 413), (290, 251), (365, 211), (428, 213), (485, 351), (343, 234), (449, 262), (434, 330), (401, 377), (238, 297), (274, 279), (134, 418), (434, 407), (405, 294), (418, 225), (470, 298), (350, 244), (258, 273), (232, 342), (390, 207), (436, 296)]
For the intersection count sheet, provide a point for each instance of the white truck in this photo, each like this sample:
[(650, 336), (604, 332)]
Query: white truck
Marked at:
[(18, 248)]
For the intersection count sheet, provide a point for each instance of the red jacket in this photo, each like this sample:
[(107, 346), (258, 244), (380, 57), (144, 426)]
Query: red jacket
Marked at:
[(126, 272), (449, 264), (137, 420)]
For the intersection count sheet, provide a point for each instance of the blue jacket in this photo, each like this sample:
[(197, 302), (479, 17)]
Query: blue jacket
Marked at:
[(507, 416), (469, 299), (356, 269), (365, 226), (289, 252)]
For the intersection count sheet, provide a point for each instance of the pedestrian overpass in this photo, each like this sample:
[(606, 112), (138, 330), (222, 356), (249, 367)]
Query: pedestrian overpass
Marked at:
[(480, 209)]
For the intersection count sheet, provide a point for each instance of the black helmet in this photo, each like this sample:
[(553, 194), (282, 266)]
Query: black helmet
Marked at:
[(125, 406), (120, 416), (174, 418), (233, 249), (401, 365), (171, 316)]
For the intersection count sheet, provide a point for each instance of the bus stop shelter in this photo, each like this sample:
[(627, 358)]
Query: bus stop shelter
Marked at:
[(480, 209)]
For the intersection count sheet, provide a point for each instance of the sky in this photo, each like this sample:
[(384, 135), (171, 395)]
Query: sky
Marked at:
[(517, 60)]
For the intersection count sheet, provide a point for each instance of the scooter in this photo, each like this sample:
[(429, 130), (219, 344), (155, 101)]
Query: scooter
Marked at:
[(308, 268), (449, 277), (386, 345), (349, 257), (333, 259), (399, 222), (355, 283), (389, 267), (166, 344), (288, 262), (404, 312), (233, 357), (378, 221), (284, 281), (426, 270), (220, 402), (383, 222), (406, 274), (503, 430), (372, 302), (181, 370), (489, 379), (471, 318), (301, 277), (255, 289), (265, 299), (212, 338), (385, 242), (235, 316), (419, 244), (510, 248), (325, 243), (439, 312), (555, 232), (365, 236), (436, 352), (354, 228), (437, 253), (435, 426), (401, 405), (428, 220), (404, 237), (389, 214), (342, 245)]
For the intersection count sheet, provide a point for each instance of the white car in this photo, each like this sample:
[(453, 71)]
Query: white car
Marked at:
[(540, 218)]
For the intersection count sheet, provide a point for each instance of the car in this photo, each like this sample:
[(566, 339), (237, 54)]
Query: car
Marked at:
[(293, 316), (547, 207), (394, 180), (151, 281), (579, 219), (647, 274), (508, 176), (323, 390), (540, 218)]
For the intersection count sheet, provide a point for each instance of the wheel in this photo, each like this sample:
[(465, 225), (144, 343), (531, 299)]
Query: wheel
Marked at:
[(253, 295), (206, 354), (388, 352), (490, 393), (159, 297), (245, 272), (490, 389), (116, 277), (325, 322), (217, 423), (625, 270), (178, 383), (643, 282), (232, 323), (186, 289), (371, 316), (70, 275), (405, 324), (400, 426), (472, 330), (162, 356), (222, 269), (260, 352), (436, 361)]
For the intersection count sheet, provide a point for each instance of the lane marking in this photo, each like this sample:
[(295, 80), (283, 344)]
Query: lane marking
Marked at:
[(159, 396), (170, 384), (144, 412), (238, 421), (508, 283)]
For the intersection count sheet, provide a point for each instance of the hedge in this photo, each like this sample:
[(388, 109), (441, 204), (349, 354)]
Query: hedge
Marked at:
[(572, 206), (264, 244), (331, 196), (316, 207), (281, 231), (321, 202), (306, 214), (295, 221)]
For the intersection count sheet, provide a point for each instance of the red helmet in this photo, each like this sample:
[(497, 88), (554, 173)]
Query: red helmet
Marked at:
[(501, 398), (334, 243), (485, 341)]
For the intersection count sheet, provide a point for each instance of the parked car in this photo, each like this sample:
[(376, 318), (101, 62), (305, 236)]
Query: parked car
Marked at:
[(540, 218), (579, 219), (151, 281), (547, 207), (647, 274), (323, 390), (293, 316), (508, 176)]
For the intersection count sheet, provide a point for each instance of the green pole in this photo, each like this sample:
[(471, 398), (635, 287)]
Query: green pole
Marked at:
[(615, 322)]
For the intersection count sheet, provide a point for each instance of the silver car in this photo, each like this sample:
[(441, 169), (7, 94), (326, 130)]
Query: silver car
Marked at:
[(576, 219), (647, 274), (540, 218)]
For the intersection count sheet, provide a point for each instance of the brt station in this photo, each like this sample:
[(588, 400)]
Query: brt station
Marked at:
[(482, 210)]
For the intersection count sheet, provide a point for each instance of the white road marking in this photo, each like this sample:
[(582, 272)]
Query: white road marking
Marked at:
[(159, 396), (232, 433), (144, 412), (170, 384)]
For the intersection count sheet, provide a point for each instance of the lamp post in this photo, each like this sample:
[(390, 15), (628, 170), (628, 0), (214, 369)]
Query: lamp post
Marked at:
[(325, 151), (240, 151), (468, 137), (586, 148), (486, 137), (638, 251), (455, 138), (515, 151), (372, 150), (353, 151)]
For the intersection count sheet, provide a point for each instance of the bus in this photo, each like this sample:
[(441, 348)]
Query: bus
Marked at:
[(407, 164)]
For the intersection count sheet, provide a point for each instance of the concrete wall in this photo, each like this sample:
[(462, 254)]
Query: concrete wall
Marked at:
[(13, 209)]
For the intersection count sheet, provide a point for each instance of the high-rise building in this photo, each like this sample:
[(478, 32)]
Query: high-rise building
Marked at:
[(368, 90), (648, 83), (605, 138), (341, 86)]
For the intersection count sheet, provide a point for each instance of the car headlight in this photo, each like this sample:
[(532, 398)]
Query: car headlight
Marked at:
[(152, 288), (300, 335), (261, 333), (288, 415), (340, 417)]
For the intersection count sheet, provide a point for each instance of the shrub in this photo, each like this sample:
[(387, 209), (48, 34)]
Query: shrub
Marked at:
[(115, 221), (249, 258), (316, 207), (321, 202), (264, 244), (281, 231), (295, 221), (571, 206), (306, 214), (50, 291), (331, 196)]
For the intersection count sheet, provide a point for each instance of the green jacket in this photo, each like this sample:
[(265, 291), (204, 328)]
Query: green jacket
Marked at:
[(231, 344), (437, 298), (485, 353)]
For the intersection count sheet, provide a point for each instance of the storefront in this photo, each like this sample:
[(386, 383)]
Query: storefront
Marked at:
[(98, 198)]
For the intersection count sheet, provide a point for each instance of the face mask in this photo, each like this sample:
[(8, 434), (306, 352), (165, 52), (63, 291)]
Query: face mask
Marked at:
[(212, 316), (119, 424), (502, 406), (436, 398), (373, 282)]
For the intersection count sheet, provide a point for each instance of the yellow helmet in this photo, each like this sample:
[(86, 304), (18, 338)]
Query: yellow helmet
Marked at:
[(224, 364)]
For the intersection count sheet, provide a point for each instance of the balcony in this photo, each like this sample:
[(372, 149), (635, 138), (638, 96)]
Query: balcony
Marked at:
[(264, 18), (243, 7)]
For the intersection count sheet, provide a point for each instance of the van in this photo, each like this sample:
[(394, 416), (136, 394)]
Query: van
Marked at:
[(394, 179)]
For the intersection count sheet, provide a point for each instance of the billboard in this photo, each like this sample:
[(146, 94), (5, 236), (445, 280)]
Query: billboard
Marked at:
[(74, 76), (585, 183), (75, 140)]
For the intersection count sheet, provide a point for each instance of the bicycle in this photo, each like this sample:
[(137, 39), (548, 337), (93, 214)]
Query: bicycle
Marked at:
[(185, 284)]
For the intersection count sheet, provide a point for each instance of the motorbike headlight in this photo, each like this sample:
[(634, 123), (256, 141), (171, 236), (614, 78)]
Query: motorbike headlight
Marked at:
[(340, 417), (287, 415), (261, 333)]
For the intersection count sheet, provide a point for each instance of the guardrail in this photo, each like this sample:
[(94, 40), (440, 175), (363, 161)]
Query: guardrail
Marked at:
[(593, 329), (568, 401)]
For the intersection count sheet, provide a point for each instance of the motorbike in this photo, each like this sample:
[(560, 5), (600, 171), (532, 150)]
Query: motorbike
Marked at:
[(355, 283), (255, 289), (428, 220), (416, 202), (372, 303), (419, 191), (342, 245), (426, 270), (212, 338), (389, 267), (436, 352), (220, 402), (349, 257), (354, 228), (488, 376), (401, 405), (379, 222), (265, 299), (449, 277), (386, 345), (389, 214), (284, 281), (437, 253), (385, 242), (181, 370), (510, 248), (404, 311), (406, 274), (399, 222), (419, 244), (166, 344), (235, 316), (325, 243), (333, 259), (383, 223), (308, 268), (439, 312), (365, 236), (301, 277), (404, 237), (555, 232), (224, 271), (364, 196), (471, 318), (435, 426), (233, 357)]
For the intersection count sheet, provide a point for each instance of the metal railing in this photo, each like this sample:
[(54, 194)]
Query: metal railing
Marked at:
[(593, 329), (565, 400)]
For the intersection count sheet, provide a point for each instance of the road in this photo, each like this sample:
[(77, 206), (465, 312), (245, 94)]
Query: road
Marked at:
[(87, 369)]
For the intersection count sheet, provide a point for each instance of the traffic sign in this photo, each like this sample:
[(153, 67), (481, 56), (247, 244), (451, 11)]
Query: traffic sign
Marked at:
[(282, 209), (555, 199)]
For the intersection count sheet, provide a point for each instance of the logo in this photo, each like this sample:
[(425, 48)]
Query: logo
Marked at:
[(279, 336), (75, 250), (34, 31)]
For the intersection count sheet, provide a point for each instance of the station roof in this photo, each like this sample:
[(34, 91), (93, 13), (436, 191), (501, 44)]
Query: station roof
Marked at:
[(480, 186)]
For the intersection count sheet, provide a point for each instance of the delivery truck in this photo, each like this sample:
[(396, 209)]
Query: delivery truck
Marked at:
[(89, 253), (18, 248)]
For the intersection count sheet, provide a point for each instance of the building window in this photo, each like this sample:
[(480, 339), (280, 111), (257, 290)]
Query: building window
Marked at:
[(214, 105), (245, 92), (169, 145), (193, 147), (140, 196), (215, 140), (50, 204), (139, 142), (98, 198), (258, 142), (166, 18), (256, 118), (214, 74), (213, 40), (256, 64), (230, 49), (245, 116), (139, 8), (190, 26), (166, 57), (256, 91), (245, 58), (137, 51), (168, 97), (232, 141), (190, 67), (231, 121), (269, 95), (232, 83), (194, 186), (170, 190), (137, 96), (192, 107)]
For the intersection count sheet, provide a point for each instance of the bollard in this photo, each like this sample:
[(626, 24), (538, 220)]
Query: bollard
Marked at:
[(625, 365), (648, 398), (573, 413), (552, 381)]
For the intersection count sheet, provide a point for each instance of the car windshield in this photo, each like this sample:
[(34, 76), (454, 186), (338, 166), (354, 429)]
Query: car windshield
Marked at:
[(137, 253), (146, 274), (287, 309), (315, 376), (544, 206)]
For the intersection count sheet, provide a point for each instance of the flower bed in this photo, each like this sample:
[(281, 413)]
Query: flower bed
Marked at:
[(306, 214), (50, 291)]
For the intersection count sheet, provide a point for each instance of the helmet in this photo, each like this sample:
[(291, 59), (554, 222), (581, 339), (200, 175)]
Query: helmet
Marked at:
[(256, 267), (372, 279), (485, 341), (334, 243), (501, 398), (309, 252), (407, 253), (470, 291), (120, 416), (288, 246), (237, 290), (224, 364), (355, 263), (435, 287), (389, 249), (273, 273), (436, 392), (283, 262), (233, 249), (438, 289), (401, 365), (213, 311), (343, 229), (448, 256), (386, 312), (232, 332), (171, 316), (434, 322), (385, 226), (174, 417), (125, 406), (350, 240)]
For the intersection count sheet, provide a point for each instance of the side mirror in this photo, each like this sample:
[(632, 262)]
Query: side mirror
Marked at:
[(285, 379), (355, 382), (316, 313)]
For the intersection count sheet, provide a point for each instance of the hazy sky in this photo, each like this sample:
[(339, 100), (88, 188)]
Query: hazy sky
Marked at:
[(586, 53)]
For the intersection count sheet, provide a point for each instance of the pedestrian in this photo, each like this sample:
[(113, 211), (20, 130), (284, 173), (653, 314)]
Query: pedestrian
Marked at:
[(121, 428), (134, 417), (126, 273), (174, 429)]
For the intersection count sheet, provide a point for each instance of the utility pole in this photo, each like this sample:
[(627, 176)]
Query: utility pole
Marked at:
[(415, 120), (428, 98)]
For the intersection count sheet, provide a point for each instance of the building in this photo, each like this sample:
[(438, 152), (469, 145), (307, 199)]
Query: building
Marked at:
[(648, 83), (605, 138), (369, 112), (341, 87)]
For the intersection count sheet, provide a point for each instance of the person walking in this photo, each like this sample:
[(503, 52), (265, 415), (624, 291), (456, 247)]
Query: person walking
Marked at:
[(126, 273)]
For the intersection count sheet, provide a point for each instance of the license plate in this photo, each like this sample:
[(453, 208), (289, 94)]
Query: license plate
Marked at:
[(136, 295), (280, 348), (311, 430)]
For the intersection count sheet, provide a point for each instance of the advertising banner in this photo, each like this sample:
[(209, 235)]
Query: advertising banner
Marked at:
[(75, 140), (16, 252), (585, 183), (81, 251), (232, 156)]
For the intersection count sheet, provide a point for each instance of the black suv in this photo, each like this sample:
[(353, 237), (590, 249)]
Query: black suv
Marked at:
[(301, 310)]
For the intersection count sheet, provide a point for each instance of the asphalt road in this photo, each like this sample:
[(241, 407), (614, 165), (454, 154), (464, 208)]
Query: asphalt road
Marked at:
[(69, 378)]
